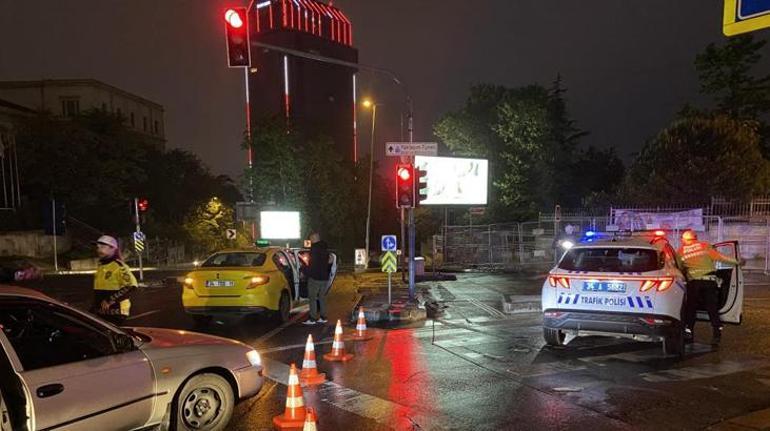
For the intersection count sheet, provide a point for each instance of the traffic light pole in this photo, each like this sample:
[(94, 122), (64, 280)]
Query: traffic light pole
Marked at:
[(138, 229)]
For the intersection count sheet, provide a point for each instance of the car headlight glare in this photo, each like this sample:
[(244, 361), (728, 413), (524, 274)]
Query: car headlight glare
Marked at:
[(253, 358)]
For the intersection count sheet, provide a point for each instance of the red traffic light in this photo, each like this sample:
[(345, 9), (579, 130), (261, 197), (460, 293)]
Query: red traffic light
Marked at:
[(233, 18), (237, 35), (143, 205), (404, 173), (404, 186)]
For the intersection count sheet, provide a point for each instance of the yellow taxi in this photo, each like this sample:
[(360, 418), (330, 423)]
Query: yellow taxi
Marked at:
[(248, 281)]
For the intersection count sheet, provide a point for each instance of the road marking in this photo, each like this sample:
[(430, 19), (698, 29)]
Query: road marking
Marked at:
[(702, 371), (143, 314), (382, 411), (293, 346)]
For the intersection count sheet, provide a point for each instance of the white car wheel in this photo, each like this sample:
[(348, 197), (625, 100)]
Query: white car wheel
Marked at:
[(205, 403)]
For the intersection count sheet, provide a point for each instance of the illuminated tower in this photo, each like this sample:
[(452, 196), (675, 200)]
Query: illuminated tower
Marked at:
[(312, 95)]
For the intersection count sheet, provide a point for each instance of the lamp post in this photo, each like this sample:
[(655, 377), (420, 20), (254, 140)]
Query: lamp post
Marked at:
[(369, 104)]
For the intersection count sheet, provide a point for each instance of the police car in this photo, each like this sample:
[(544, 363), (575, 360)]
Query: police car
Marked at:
[(629, 285)]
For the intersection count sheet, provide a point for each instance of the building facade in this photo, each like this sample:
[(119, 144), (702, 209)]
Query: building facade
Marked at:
[(314, 96), (68, 97), (10, 186)]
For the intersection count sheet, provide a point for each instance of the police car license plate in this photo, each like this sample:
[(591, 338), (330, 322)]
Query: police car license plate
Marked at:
[(604, 286), (220, 283)]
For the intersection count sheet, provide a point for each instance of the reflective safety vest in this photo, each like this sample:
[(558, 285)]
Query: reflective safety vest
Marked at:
[(113, 276), (700, 259)]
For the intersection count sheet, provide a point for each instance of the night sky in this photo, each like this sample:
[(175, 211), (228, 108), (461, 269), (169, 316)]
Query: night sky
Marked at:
[(628, 65)]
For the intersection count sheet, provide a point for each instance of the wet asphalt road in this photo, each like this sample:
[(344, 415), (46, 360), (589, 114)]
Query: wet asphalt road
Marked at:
[(478, 368)]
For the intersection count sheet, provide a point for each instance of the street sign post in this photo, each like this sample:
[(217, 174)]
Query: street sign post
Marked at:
[(388, 264), (396, 149), (389, 243), (743, 16)]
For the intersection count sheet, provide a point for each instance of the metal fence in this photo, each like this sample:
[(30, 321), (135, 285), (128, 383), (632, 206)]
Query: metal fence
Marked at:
[(533, 245)]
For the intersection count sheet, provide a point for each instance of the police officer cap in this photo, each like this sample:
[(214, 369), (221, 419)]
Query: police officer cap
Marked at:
[(107, 240)]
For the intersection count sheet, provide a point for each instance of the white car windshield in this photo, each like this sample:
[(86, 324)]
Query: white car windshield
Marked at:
[(611, 259)]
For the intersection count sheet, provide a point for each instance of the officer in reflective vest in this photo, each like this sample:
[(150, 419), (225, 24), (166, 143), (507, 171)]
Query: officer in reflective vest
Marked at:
[(699, 259), (113, 282)]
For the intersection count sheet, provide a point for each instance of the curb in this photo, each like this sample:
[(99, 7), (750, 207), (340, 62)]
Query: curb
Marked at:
[(513, 304)]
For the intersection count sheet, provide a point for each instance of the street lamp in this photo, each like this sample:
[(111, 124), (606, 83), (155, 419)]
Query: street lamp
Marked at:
[(369, 104)]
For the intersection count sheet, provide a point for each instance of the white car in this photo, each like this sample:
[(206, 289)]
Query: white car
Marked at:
[(74, 371), (631, 287)]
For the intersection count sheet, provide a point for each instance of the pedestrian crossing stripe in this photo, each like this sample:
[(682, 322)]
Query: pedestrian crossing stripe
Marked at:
[(388, 262)]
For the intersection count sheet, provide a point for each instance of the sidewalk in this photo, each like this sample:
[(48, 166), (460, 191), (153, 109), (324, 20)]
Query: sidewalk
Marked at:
[(373, 288)]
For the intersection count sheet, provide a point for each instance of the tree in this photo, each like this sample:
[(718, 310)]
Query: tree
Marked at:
[(697, 157), (726, 75), (303, 171), (533, 148), (207, 227), (96, 165)]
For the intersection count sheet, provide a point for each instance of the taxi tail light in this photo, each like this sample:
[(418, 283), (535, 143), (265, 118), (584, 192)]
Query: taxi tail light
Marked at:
[(188, 282), (257, 280)]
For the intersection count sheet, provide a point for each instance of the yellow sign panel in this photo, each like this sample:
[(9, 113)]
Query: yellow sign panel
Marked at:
[(388, 262), (743, 16)]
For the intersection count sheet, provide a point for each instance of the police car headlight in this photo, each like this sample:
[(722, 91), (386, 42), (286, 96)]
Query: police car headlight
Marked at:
[(567, 244), (253, 358)]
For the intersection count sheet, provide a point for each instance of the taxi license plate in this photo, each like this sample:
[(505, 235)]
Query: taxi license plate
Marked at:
[(604, 286), (220, 283)]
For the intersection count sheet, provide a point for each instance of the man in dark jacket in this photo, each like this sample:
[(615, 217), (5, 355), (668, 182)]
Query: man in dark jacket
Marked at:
[(317, 279)]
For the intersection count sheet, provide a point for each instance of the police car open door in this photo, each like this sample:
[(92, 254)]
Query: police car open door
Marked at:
[(730, 280)]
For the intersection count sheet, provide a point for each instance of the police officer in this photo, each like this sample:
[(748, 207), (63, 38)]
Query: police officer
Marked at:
[(699, 259), (113, 282)]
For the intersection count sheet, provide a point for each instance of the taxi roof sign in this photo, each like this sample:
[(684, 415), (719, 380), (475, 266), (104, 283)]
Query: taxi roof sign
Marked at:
[(744, 16)]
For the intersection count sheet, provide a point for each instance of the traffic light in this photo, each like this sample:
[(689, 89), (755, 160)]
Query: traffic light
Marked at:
[(143, 205), (421, 187), (237, 31), (404, 186)]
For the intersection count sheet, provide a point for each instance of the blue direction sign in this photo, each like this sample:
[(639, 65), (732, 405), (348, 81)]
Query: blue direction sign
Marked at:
[(389, 243), (139, 236), (743, 16)]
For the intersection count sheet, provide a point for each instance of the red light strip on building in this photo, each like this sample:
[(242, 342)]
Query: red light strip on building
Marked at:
[(355, 123), (310, 16), (286, 102)]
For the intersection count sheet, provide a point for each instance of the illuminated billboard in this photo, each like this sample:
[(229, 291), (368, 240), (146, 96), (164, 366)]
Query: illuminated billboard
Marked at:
[(279, 225), (454, 180)]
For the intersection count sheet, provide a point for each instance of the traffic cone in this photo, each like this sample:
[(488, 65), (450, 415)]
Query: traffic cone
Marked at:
[(338, 347), (310, 420), (309, 374), (360, 334), (294, 415)]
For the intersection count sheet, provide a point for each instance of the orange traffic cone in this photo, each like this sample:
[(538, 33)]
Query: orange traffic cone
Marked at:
[(309, 374), (310, 420), (360, 334), (338, 347), (294, 415)]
